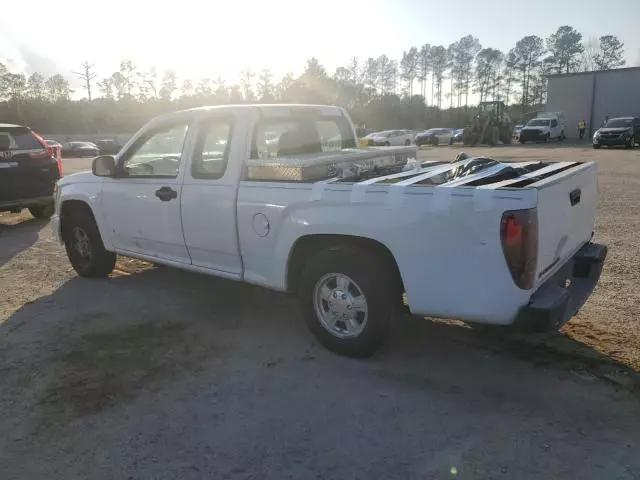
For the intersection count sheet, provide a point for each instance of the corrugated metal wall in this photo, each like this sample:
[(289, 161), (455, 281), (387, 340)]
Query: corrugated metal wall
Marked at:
[(592, 96)]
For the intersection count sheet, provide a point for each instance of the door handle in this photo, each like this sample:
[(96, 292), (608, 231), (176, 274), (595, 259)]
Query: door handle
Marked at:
[(166, 193)]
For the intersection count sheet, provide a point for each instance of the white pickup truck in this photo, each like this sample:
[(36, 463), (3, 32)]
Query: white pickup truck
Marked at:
[(471, 239)]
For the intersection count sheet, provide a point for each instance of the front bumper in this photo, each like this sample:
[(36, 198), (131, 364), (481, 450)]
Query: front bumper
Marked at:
[(611, 142), (562, 296), (532, 136)]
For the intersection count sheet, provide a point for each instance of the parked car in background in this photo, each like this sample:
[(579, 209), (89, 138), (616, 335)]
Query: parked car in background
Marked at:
[(457, 135), (435, 136), (516, 132), (546, 126), (80, 149), (618, 131), (108, 146), (390, 138), (56, 148), (29, 171)]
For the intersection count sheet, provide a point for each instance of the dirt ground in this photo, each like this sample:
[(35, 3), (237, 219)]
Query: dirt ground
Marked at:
[(158, 373)]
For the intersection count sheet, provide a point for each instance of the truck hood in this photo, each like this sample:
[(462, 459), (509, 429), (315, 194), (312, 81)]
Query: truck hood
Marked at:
[(614, 130), (80, 177), (541, 129)]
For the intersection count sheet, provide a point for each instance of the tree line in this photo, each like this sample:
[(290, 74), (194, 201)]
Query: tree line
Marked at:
[(429, 85)]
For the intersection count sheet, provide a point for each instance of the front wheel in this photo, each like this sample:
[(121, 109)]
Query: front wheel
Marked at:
[(632, 142), (347, 300), (84, 247)]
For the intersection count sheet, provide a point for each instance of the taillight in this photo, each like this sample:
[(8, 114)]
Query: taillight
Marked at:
[(519, 237), (49, 151)]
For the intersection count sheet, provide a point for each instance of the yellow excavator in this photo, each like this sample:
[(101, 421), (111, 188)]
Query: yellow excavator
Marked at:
[(491, 125)]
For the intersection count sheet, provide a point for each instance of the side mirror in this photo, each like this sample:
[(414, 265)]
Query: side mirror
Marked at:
[(104, 166)]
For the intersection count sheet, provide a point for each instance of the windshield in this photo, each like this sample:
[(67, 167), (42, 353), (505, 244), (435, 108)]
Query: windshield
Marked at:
[(538, 122), (619, 123)]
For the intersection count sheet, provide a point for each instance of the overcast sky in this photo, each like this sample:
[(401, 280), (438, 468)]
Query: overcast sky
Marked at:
[(211, 38)]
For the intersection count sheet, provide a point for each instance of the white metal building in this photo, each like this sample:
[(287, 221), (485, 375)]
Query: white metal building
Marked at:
[(592, 96)]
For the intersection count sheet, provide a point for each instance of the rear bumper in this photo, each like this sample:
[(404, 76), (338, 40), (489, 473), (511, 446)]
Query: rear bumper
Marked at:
[(25, 202), (555, 302)]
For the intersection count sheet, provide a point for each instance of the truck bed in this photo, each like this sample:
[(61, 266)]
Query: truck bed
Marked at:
[(441, 221)]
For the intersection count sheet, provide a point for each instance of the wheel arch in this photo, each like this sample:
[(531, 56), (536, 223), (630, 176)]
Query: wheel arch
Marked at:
[(307, 245), (74, 206)]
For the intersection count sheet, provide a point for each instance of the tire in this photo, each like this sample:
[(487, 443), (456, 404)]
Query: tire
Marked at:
[(451, 141), (522, 141), (596, 147), (96, 261), (561, 137), (360, 272), (632, 143), (407, 142), (42, 211), (387, 144)]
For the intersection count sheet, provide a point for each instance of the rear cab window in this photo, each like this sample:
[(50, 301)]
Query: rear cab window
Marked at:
[(18, 138), (299, 134)]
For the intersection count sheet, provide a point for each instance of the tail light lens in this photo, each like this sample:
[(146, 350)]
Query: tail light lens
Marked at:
[(49, 152), (519, 237)]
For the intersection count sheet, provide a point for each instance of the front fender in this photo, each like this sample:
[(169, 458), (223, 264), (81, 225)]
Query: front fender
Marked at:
[(91, 195)]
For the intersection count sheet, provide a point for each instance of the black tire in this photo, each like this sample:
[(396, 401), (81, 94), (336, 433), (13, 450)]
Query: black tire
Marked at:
[(596, 147), (561, 137), (375, 282), (387, 144), (407, 142), (451, 141), (522, 141), (632, 143), (42, 211), (99, 262)]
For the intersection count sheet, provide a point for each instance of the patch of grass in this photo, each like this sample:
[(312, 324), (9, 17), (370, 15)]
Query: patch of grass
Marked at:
[(106, 368)]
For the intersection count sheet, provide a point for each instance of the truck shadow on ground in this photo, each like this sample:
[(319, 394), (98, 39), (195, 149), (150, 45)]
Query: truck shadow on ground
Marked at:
[(93, 344), (18, 233)]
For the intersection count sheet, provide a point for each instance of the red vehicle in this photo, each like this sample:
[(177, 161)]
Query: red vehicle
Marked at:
[(29, 170)]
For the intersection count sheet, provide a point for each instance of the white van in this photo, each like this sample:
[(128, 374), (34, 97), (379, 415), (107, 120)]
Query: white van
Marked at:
[(546, 126)]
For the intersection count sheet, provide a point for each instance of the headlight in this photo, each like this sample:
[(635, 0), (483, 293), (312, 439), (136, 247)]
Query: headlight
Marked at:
[(597, 134)]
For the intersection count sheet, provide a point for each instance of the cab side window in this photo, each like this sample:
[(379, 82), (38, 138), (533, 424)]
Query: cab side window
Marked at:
[(554, 123), (211, 153), (157, 154)]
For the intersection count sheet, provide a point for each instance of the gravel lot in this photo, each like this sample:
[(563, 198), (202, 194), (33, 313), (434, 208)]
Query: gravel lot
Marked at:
[(158, 373)]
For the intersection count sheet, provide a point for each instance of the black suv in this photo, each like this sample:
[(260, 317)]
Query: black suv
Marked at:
[(28, 171), (618, 131)]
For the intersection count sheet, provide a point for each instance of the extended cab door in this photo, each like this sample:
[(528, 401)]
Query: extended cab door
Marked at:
[(210, 192), (142, 204)]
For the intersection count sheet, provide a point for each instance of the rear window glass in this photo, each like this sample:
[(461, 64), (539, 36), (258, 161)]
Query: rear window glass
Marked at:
[(292, 136), (18, 139)]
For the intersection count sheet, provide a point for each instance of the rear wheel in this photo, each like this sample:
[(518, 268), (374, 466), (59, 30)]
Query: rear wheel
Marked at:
[(42, 211), (347, 300), (84, 247)]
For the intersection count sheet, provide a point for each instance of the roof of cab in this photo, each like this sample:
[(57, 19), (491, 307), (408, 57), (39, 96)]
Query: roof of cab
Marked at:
[(10, 125), (204, 110)]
